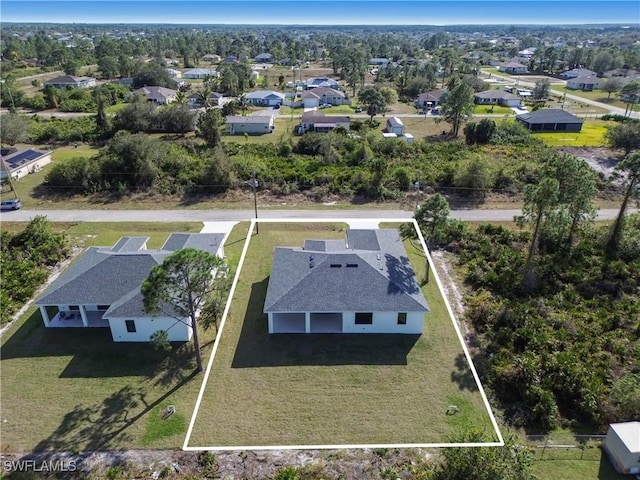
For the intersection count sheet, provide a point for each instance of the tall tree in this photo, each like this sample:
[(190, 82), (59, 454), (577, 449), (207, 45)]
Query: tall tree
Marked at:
[(457, 106), (374, 101), (209, 124), (630, 165), (180, 287), (541, 89), (630, 94), (539, 200), (14, 128), (612, 86), (625, 135)]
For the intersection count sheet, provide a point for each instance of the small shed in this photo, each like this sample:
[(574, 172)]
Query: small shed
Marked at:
[(395, 125), (622, 445)]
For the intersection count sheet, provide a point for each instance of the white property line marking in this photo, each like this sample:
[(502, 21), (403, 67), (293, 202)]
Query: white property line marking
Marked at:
[(186, 447)]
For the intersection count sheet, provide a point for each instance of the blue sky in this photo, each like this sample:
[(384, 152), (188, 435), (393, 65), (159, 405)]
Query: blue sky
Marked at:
[(319, 12)]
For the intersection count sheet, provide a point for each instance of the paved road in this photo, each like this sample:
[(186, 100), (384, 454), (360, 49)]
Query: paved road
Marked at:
[(239, 215)]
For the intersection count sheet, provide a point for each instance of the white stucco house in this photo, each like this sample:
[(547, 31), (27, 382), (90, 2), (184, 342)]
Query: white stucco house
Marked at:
[(316, 121), (251, 124), (19, 162), (513, 68), (317, 82), (265, 98), (157, 95), (324, 95), (102, 289), (71, 81), (586, 84), (497, 97), (622, 445), (362, 285)]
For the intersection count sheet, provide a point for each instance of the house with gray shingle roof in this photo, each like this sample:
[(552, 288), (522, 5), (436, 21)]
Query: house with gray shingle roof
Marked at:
[(497, 97), (364, 284), (318, 122), (102, 289), (157, 95), (71, 81), (550, 120)]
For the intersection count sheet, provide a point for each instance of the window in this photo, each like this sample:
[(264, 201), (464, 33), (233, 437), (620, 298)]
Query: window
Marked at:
[(364, 318), (402, 318), (75, 308), (131, 326)]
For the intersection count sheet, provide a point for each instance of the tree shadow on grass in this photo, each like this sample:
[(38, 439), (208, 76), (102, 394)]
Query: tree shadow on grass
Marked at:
[(462, 374), (103, 425), (257, 348)]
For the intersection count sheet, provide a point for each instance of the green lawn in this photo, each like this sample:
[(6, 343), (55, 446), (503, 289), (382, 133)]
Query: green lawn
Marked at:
[(283, 131), (495, 109), (598, 96), (573, 468), (592, 135), (74, 389), (331, 389), (115, 108)]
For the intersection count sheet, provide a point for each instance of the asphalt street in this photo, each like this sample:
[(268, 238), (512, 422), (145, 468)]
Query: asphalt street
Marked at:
[(189, 215)]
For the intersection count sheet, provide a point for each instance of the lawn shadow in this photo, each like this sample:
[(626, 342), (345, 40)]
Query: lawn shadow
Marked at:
[(93, 352), (103, 425), (257, 348), (606, 470), (462, 374)]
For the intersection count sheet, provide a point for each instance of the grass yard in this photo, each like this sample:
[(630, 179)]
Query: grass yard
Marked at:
[(331, 389), (74, 389), (598, 96), (592, 135), (573, 468), (492, 109)]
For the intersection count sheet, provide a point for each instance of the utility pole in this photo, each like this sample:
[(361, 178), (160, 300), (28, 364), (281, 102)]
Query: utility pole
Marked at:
[(254, 184)]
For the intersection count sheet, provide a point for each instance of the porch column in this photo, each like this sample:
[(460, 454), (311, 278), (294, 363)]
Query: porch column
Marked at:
[(270, 322), (307, 322), (83, 314), (45, 315)]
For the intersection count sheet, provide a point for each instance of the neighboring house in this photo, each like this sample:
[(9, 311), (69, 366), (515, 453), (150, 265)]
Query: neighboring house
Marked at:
[(577, 72), (211, 57), (200, 73), (252, 124), (513, 68), (550, 120), (18, 162), (265, 98), (230, 59), (194, 100), (322, 95), (497, 97), (102, 289), (316, 82), (174, 73), (264, 58), (363, 285), (430, 99), (380, 62), (527, 53), (158, 95), (395, 125), (585, 84), (71, 81), (318, 122), (622, 445), (622, 73)]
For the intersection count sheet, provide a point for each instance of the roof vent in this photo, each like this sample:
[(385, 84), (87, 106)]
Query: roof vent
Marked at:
[(336, 265), (352, 265), (312, 262)]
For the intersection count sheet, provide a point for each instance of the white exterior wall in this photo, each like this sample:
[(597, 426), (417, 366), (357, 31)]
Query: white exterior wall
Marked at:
[(236, 128), (622, 459), (384, 322), (397, 129), (145, 326), (30, 167), (310, 102)]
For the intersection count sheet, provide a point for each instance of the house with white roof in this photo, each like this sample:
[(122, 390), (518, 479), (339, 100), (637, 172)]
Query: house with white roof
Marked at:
[(362, 284), (102, 289), (200, 73), (622, 445)]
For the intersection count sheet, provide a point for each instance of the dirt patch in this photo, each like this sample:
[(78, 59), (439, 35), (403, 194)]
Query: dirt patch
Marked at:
[(601, 160)]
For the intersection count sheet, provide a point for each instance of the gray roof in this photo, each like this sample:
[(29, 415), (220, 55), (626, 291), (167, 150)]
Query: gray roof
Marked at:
[(261, 94), (584, 79), (154, 91), (314, 116), (395, 122), (249, 119), (368, 272), (496, 94), (549, 115), (113, 275), (67, 79), (434, 95)]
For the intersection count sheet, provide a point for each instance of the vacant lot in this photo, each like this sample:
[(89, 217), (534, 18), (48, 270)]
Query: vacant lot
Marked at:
[(331, 389), (74, 389), (592, 135)]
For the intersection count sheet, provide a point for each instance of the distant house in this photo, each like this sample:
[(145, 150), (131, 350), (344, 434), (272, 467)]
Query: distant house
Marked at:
[(264, 58), (395, 125), (323, 95), (102, 289), (211, 57), (577, 72), (316, 121), (380, 62), (194, 100), (430, 99), (174, 73), (622, 73), (200, 73), (19, 162), (550, 120), (585, 84), (71, 81), (622, 445), (265, 98), (316, 82), (158, 95), (513, 68), (497, 97), (230, 59), (362, 285), (527, 53), (252, 124)]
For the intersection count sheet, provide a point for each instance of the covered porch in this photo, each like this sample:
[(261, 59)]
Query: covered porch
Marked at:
[(54, 317)]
